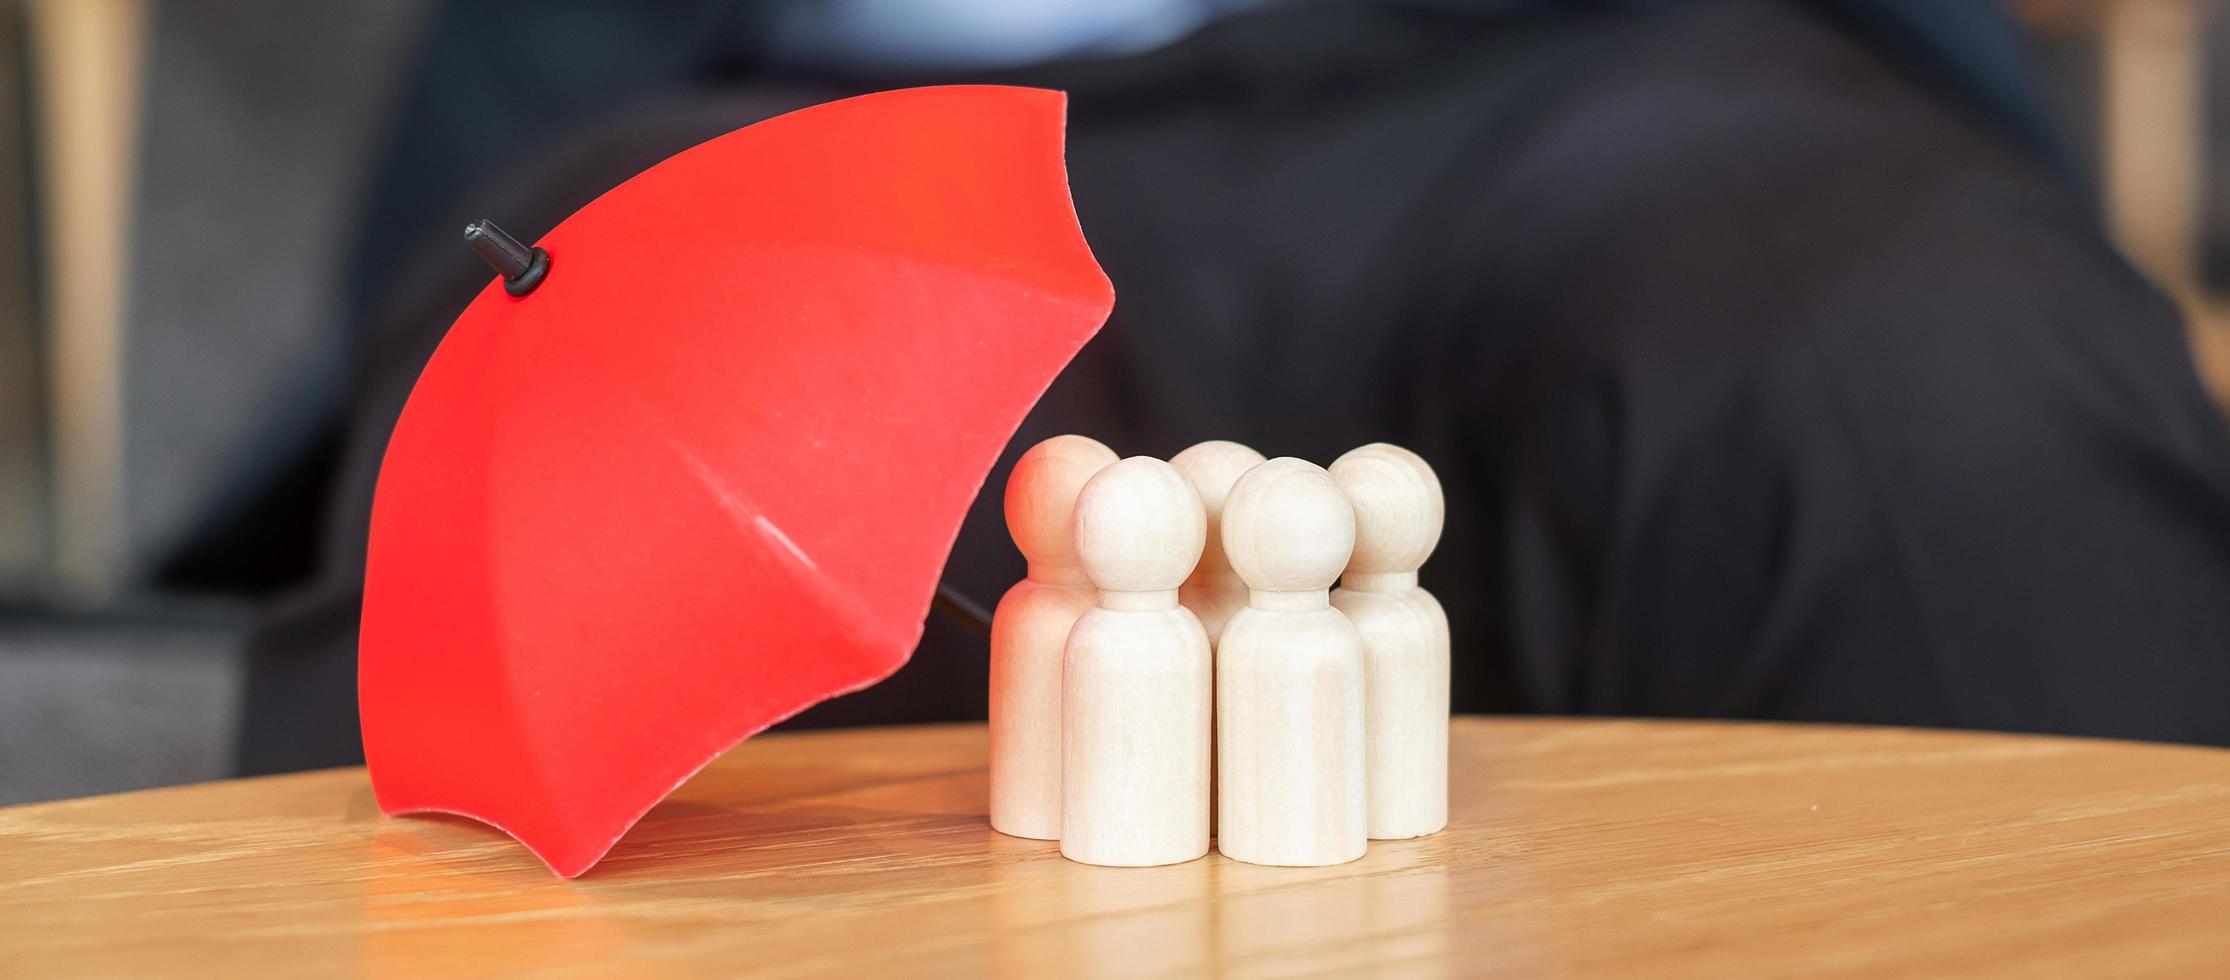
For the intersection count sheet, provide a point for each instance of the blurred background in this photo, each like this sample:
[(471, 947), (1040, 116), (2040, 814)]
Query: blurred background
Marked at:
[(203, 203)]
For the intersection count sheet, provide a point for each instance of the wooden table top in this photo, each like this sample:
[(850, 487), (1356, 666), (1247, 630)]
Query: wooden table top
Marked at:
[(1578, 848)]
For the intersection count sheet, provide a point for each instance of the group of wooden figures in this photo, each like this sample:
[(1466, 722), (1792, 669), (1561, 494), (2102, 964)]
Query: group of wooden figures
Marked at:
[(1177, 666)]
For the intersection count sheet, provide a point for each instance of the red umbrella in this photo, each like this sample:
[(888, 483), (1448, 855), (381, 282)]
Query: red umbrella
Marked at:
[(704, 471)]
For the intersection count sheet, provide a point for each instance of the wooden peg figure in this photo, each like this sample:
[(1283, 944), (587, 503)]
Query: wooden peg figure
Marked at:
[(1137, 681), (1030, 630), (1289, 676), (1398, 515), (1214, 591)]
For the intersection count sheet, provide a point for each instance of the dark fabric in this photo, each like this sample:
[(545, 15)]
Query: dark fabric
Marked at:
[(499, 83), (1765, 377)]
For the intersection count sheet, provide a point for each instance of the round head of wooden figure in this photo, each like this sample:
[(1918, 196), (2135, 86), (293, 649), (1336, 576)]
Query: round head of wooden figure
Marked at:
[(1213, 467), (1398, 509), (1287, 527), (1041, 497), (1139, 527)]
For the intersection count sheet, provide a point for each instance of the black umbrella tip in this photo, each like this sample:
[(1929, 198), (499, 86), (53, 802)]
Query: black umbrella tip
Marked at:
[(522, 268)]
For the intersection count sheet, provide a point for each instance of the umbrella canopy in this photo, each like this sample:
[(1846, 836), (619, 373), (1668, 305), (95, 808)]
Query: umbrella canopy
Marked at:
[(707, 472)]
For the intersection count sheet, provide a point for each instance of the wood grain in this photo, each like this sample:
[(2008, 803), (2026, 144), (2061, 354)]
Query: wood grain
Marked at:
[(1576, 848)]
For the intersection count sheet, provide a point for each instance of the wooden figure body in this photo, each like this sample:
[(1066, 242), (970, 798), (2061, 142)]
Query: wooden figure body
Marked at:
[(1289, 676), (1214, 591), (1137, 680), (1398, 516), (1030, 630)]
